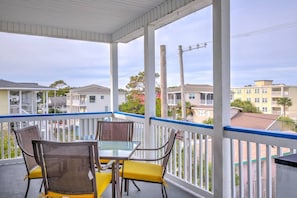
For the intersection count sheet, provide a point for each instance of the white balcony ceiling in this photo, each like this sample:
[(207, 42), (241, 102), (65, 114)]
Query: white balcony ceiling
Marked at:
[(93, 20)]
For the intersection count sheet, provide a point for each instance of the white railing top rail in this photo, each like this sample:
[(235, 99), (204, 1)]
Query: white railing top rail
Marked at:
[(59, 116), (184, 125), (129, 116), (274, 138)]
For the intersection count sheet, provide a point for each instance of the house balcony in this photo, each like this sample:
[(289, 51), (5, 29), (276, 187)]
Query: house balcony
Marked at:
[(190, 171)]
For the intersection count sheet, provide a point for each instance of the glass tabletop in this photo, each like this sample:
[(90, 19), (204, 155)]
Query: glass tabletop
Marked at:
[(117, 149)]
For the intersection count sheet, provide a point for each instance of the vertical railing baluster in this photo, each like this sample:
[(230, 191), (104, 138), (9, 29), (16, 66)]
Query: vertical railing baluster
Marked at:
[(268, 172), (206, 164), (240, 165), (201, 160), (249, 172), (233, 173), (259, 171)]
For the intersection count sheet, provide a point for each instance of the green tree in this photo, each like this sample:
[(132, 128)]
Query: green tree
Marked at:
[(246, 106), (208, 121), (133, 105), (62, 88), (135, 96), (284, 102), (189, 110), (287, 123)]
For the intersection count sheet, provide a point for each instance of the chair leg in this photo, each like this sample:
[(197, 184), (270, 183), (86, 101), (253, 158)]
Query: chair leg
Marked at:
[(135, 185), (127, 185), (164, 192), (28, 185), (42, 182)]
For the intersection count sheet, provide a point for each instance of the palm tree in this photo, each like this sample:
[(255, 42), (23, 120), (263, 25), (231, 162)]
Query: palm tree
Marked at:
[(285, 102)]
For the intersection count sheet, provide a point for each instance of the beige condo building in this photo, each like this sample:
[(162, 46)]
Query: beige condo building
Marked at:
[(264, 95)]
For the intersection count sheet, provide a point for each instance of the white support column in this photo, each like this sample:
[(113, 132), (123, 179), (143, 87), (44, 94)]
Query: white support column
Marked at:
[(149, 76), (221, 76), (20, 102), (46, 96), (114, 81)]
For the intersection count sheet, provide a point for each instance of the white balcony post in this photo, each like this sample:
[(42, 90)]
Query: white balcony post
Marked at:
[(20, 102), (149, 76), (221, 76), (114, 81)]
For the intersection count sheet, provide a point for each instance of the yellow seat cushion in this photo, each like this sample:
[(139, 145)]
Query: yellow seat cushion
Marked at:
[(102, 181), (35, 173), (143, 171)]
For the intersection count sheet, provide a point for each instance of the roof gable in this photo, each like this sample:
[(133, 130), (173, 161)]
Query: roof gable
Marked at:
[(8, 85), (253, 120)]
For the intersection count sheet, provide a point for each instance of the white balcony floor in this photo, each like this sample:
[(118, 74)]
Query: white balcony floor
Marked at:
[(13, 185)]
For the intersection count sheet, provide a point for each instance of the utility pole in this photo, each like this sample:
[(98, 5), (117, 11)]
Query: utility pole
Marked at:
[(182, 83), (181, 64), (163, 82)]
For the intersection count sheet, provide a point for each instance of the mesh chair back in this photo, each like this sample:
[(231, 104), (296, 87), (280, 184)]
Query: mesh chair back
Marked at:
[(168, 149), (68, 168), (115, 130), (24, 139)]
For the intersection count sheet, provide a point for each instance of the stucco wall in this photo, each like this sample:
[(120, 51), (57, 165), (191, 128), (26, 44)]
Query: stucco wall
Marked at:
[(4, 102)]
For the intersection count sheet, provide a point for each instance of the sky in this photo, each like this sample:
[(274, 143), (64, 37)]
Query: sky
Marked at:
[(263, 47)]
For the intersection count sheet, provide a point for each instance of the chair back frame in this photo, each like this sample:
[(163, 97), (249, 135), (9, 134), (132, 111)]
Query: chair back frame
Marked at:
[(115, 130), (169, 147), (67, 167), (24, 139)]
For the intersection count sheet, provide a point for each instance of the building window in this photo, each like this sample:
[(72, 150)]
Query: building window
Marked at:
[(102, 97), (249, 99), (206, 98), (191, 96), (257, 91), (92, 99), (106, 108), (238, 91), (264, 100), (264, 91), (257, 100), (248, 91), (264, 109), (209, 99)]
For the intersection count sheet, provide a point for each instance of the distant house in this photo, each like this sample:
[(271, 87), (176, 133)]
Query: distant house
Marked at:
[(91, 98), (58, 103), (22, 98), (264, 95), (241, 119), (196, 94)]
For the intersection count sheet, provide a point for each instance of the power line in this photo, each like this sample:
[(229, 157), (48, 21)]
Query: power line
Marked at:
[(268, 29)]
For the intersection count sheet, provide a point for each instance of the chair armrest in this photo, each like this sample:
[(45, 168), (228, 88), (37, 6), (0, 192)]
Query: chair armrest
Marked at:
[(107, 166), (152, 149)]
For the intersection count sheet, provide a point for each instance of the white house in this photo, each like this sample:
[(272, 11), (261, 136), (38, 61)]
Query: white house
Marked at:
[(196, 94), (23, 98), (91, 98)]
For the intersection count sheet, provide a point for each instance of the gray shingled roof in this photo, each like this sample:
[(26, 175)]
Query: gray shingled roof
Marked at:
[(8, 85), (91, 89)]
